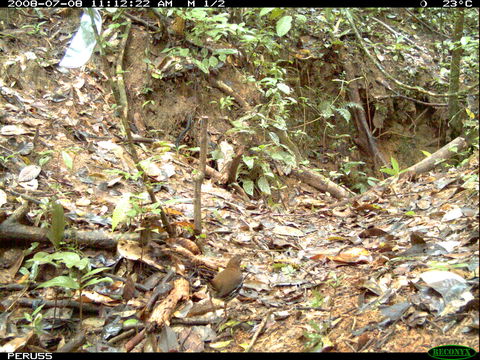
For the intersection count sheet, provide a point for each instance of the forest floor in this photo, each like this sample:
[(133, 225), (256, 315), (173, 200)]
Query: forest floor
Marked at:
[(395, 271)]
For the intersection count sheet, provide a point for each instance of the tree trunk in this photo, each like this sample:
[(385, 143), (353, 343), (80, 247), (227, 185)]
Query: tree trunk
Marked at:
[(454, 111)]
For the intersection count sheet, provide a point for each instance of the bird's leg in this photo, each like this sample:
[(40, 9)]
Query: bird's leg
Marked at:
[(225, 309), (211, 303)]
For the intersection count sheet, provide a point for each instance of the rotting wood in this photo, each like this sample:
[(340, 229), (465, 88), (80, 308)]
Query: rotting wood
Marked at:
[(217, 177), (162, 312), (12, 230), (436, 158), (122, 336), (24, 302), (25, 235), (322, 183), (423, 166), (74, 343), (229, 91), (229, 175), (162, 288), (194, 260)]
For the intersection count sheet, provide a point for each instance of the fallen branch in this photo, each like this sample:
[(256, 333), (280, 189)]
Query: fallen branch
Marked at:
[(425, 165), (24, 302), (322, 183), (162, 312), (259, 331), (437, 157), (25, 235), (74, 343), (229, 91)]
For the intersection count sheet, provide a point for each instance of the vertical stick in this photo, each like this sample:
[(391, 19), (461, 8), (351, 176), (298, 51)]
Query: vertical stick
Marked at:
[(198, 179)]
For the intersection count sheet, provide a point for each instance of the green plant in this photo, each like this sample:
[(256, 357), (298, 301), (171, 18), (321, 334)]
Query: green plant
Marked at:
[(36, 29), (350, 174), (316, 339), (45, 157), (57, 228), (334, 281), (67, 160), (148, 102), (394, 170), (257, 169), (5, 159), (124, 210), (210, 25), (79, 276), (131, 206), (318, 299), (226, 102), (124, 174), (35, 320)]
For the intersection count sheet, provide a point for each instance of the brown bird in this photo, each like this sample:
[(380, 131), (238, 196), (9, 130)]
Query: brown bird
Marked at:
[(227, 284)]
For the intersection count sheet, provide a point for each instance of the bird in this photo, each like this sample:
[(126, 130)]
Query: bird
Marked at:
[(227, 283)]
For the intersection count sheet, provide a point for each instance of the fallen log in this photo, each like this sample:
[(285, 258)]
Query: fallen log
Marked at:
[(442, 154), (322, 183)]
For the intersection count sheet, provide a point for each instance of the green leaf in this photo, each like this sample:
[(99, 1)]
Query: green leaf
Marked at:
[(57, 229), (130, 322), (284, 88), (284, 25), (213, 61), (249, 161), (247, 185), (63, 281), (67, 159), (93, 272), (274, 138), (426, 153), (470, 114), (244, 346), (42, 258), (44, 160), (201, 66), (228, 324), (37, 310), (301, 18), (225, 51), (96, 281), (276, 13), (83, 264), (220, 344), (263, 185), (120, 213), (395, 166), (388, 171), (284, 156), (266, 170), (265, 11), (345, 114), (206, 63), (69, 258)]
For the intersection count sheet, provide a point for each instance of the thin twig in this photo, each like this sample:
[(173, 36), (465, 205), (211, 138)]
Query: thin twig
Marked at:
[(260, 329)]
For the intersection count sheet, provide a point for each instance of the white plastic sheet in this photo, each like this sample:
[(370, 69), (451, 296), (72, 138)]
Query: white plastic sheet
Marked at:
[(83, 43)]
